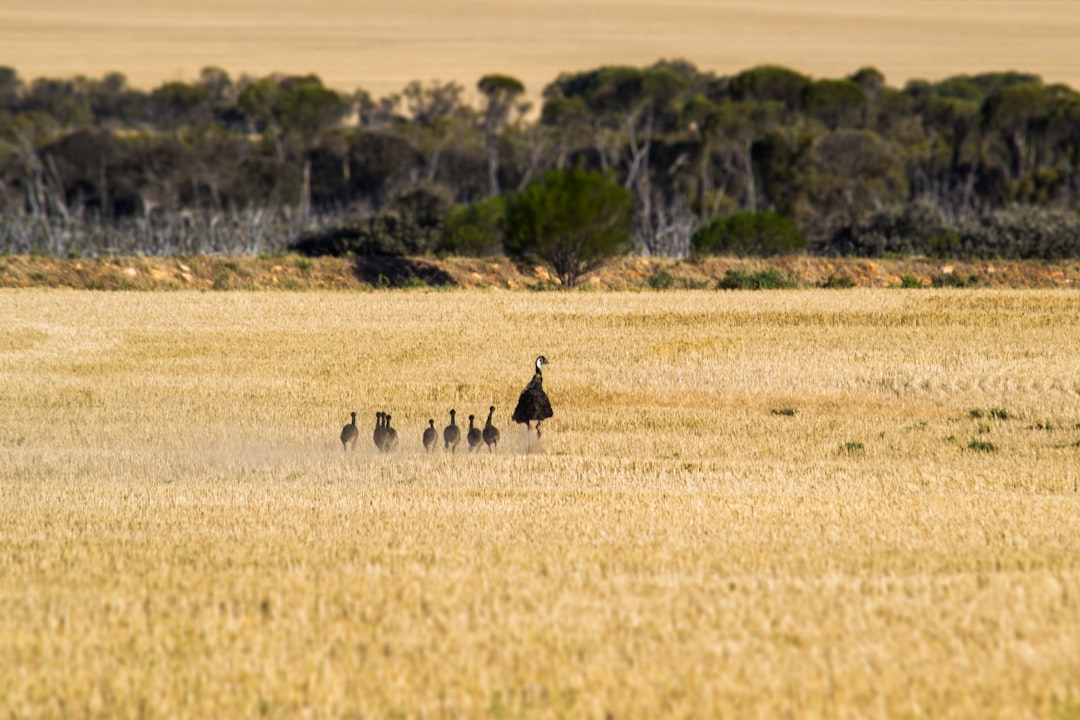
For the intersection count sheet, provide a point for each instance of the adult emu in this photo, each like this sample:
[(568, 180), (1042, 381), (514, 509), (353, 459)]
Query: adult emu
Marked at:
[(533, 404)]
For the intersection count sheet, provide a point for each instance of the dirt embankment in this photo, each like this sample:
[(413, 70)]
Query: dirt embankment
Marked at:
[(290, 272)]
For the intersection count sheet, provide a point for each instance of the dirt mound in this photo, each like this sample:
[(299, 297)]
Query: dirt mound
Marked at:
[(291, 272)]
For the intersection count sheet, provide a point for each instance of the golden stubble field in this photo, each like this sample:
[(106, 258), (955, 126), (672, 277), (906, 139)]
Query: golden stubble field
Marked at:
[(381, 46), (181, 534)]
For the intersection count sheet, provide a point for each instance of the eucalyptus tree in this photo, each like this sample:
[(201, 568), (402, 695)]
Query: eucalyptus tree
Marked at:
[(771, 83), (1015, 116), (731, 128), (627, 110), (438, 119), (845, 175), (11, 88), (835, 103), (501, 94)]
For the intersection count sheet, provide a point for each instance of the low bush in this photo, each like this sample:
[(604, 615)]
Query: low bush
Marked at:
[(661, 280), (911, 282), (1019, 232), (837, 282), (768, 279), (742, 234), (852, 447), (475, 230), (411, 223)]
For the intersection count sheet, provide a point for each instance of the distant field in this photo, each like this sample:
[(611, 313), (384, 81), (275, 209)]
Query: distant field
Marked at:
[(801, 503), (380, 46)]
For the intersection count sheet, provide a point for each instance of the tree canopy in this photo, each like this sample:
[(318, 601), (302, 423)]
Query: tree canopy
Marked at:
[(83, 159)]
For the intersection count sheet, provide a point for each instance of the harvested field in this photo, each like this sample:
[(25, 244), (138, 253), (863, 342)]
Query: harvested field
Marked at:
[(379, 46), (811, 502)]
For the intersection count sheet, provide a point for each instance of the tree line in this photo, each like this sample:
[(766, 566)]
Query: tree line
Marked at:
[(677, 160)]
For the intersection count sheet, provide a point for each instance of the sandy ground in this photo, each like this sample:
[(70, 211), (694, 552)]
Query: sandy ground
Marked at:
[(630, 273), (380, 46)]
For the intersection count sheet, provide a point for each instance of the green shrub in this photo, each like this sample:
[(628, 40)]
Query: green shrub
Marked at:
[(414, 282), (838, 282), (981, 445), (743, 234), (661, 280), (1018, 232), (852, 447), (542, 286), (768, 279), (571, 221), (223, 280), (911, 281), (954, 280), (475, 230), (411, 223)]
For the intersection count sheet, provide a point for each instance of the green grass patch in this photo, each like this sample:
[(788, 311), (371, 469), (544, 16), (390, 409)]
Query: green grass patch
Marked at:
[(661, 280), (911, 282), (992, 413), (768, 279), (837, 282)]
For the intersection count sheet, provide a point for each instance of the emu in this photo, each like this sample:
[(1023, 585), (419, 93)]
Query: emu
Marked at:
[(430, 436), (349, 433), (379, 436), (474, 437), (451, 435), (533, 404), (491, 433), (390, 444)]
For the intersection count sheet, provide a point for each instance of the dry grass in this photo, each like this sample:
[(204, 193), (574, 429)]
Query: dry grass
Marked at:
[(381, 46), (182, 535)]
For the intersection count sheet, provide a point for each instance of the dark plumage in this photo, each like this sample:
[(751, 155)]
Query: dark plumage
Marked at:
[(491, 433), (451, 435), (430, 436), (390, 443), (349, 433), (379, 436), (474, 436), (533, 404)]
